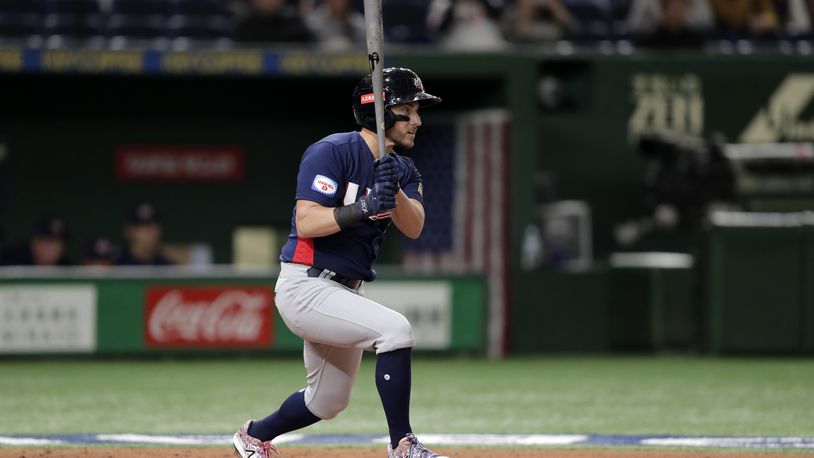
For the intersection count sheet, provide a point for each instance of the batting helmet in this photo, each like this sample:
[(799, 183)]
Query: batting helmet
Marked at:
[(401, 85)]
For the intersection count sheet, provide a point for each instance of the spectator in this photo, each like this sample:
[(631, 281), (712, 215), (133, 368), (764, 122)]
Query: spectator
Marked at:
[(45, 248), (795, 16), (143, 234), (99, 252), (746, 18), (646, 16), (674, 31), (591, 18), (336, 25), (470, 25), (272, 21), (535, 21)]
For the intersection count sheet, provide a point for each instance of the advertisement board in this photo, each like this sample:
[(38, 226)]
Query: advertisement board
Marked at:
[(173, 163), (47, 318), (426, 304), (194, 316)]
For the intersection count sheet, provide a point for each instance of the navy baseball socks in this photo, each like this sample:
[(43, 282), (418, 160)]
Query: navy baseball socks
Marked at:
[(393, 380), (291, 415)]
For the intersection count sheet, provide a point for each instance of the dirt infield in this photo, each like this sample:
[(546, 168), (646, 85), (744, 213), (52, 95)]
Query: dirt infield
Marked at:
[(222, 452)]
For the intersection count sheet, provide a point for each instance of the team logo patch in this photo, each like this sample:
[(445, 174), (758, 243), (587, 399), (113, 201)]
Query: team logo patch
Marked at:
[(324, 185), (366, 98)]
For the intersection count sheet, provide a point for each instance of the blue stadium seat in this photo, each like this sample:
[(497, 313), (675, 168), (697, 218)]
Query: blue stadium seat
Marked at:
[(139, 7), (594, 21), (587, 12), (135, 26), (199, 27), (73, 25), (405, 21), (72, 6), (199, 8)]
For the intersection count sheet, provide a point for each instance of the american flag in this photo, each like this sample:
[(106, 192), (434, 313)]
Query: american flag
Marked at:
[(464, 163)]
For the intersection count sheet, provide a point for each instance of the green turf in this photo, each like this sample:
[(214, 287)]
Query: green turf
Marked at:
[(548, 395)]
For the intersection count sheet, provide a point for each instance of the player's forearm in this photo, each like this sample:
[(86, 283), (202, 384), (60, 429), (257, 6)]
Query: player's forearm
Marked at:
[(408, 215), (315, 221)]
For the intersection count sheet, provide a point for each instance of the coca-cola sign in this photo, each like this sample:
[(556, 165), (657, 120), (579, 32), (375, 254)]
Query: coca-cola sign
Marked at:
[(208, 316)]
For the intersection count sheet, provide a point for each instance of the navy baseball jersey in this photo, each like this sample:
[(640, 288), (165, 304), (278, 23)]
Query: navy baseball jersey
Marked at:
[(337, 171)]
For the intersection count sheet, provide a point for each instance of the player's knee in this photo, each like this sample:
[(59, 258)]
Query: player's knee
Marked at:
[(327, 409), (328, 401), (398, 335)]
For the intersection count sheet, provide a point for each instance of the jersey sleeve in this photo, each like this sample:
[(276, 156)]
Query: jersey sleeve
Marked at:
[(321, 173), (410, 179)]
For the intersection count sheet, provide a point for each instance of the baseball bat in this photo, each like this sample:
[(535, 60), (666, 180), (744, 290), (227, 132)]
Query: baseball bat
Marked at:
[(375, 37)]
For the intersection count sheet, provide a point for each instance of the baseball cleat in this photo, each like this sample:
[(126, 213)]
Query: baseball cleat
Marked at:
[(251, 447), (410, 447)]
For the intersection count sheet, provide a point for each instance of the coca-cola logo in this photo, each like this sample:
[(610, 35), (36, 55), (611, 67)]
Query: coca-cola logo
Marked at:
[(188, 316)]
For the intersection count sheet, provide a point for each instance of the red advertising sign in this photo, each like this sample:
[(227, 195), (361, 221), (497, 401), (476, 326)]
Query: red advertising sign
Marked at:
[(223, 316), (179, 163)]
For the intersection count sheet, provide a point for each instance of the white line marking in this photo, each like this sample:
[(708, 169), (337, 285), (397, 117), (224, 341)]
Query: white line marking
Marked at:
[(28, 441), (287, 438), (502, 439), (740, 442), (165, 440)]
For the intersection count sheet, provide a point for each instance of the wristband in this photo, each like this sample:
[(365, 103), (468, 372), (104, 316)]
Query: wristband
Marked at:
[(350, 214)]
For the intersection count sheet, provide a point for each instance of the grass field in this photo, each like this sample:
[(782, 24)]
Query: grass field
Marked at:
[(636, 395)]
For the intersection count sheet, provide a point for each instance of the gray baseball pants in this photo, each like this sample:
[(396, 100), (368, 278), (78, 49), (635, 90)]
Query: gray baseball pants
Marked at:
[(337, 324)]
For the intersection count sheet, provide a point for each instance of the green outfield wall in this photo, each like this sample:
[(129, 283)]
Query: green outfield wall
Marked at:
[(167, 311), (760, 289)]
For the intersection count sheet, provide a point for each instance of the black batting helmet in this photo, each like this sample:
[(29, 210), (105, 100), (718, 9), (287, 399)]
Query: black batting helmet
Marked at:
[(401, 85)]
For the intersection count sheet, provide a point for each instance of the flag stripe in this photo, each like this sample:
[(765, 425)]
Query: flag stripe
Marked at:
[(478, 224)]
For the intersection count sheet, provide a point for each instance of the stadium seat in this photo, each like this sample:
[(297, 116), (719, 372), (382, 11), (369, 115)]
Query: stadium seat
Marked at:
[(73, 25), (406, 21), (139, 7), (594, 22), (620, 9), (72, 7), (199, 8), (199, 27), (135, 26), (20, 7), (19, 26)]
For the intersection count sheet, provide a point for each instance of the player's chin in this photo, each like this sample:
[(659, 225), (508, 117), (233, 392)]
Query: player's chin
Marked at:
[(406, 142)]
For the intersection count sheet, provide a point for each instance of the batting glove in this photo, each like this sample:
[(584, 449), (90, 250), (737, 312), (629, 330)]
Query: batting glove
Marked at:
[(382, 198), (386, 169)]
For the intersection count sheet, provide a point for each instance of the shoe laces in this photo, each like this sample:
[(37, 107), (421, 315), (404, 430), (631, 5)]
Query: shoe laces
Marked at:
[(417, 449)]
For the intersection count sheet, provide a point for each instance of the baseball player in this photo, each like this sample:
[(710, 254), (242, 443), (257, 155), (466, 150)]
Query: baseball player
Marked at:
[(347, 196)]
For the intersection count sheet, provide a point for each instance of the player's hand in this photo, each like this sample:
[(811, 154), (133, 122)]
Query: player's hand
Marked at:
[(382, 198), (386, 169)]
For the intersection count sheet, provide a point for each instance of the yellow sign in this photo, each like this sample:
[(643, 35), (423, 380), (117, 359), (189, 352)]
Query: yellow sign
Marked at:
[(323, 64), (243, 62), (93, 61), (782, 117), (11, 59)]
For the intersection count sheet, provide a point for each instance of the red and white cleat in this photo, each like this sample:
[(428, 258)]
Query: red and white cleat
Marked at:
[(251, 447), (410, 447)]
